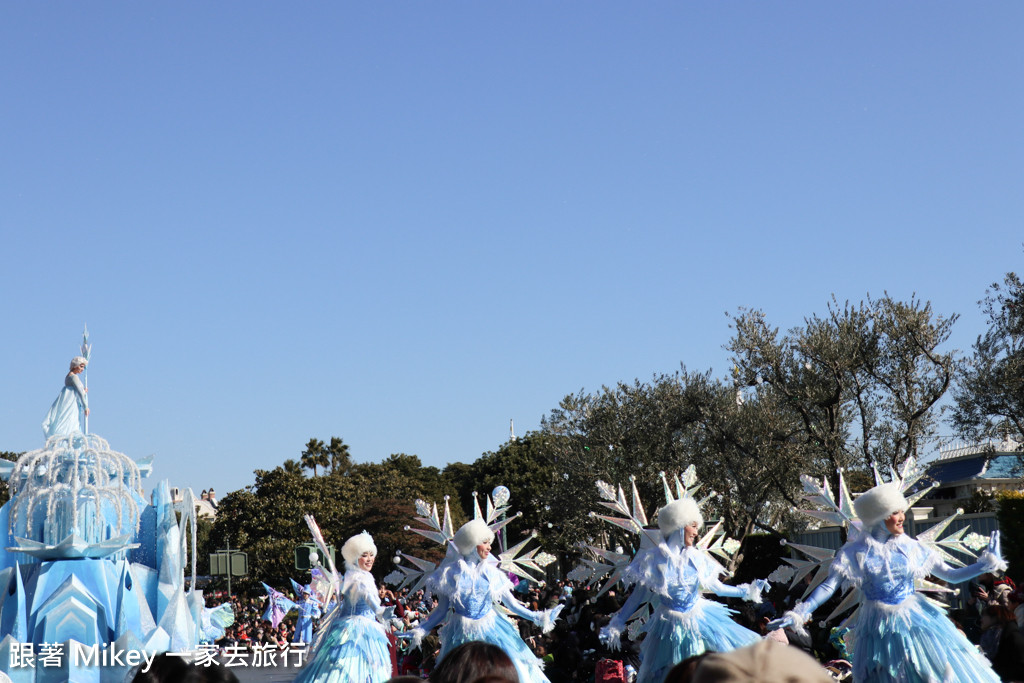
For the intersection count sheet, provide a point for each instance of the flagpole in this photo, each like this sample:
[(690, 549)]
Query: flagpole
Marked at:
[(86, 352)]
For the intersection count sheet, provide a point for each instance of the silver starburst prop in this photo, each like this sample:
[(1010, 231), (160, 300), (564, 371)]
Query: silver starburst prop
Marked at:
[(515, 560), (598, 563)]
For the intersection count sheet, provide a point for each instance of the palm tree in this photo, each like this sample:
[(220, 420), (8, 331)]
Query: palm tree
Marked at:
[(292, 466), (314, 455), (339, 455)]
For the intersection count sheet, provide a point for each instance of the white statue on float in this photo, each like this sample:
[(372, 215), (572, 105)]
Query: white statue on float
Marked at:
[(88, 569)]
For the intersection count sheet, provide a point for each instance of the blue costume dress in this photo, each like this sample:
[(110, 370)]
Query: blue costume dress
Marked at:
[(63, 417), (898, 636), (468, 591), (353, 646), (683, 623), (309, 609)]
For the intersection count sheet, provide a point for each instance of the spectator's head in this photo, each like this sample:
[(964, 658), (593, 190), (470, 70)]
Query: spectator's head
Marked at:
[(1001, 594), (683, 671), (995, 615), (473, 661), (766, 661)]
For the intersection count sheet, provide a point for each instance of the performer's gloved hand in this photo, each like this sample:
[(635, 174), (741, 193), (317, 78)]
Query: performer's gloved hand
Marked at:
[(794, 619), (415, 637), (992, 558), (546, 618), (611, 635), (754, 590)]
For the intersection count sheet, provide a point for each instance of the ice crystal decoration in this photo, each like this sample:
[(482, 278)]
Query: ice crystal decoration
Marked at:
[(975, 541), (65, 489)]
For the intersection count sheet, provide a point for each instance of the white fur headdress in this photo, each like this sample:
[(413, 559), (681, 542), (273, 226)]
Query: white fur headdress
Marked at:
[(471, 534), (878, 503), (356, 546), (678, 514)]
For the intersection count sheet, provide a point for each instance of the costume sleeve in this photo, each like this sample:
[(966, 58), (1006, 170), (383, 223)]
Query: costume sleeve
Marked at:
[(635, 599), (989, 561), (803, 610), (961, 574), (517, 608), (751, 592), (83, 397), (432, 620)]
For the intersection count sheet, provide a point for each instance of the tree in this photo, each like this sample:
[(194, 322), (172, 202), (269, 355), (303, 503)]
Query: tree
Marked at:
[(744, 449), (265, 519), (293, 466), (315, 455), (861, 383), (525, 467), (338, 454), (631, 430), (990, 393)]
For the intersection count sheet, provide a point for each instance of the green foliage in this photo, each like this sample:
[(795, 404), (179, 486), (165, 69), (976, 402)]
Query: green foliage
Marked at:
[(980, 501), (1010, 514), (990, 393), (861, 383), (315, 455), (525, 467), (265, 519)]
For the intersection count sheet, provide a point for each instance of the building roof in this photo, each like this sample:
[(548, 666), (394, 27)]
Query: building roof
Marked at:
[(945, 471), (1003, 466), (981, 466)]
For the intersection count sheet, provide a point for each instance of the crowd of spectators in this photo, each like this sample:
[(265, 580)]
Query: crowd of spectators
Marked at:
[(993, 618)]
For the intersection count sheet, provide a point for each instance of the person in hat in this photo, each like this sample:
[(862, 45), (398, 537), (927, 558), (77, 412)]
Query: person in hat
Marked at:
[(469, 586), (898, 634), (309, 609), (676, 571), (354, 645)]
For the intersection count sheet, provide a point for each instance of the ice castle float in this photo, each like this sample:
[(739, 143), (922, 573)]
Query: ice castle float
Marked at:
[(91, 576)]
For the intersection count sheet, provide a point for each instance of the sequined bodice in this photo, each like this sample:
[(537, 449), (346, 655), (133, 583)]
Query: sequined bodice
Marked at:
[(888, 574), (472, 598), (356, 604), (683, 586)]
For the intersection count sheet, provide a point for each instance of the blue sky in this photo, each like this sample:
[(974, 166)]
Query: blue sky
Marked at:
[(406, 223)]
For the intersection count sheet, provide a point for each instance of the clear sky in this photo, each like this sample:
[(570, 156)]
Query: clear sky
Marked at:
[(404, 223)]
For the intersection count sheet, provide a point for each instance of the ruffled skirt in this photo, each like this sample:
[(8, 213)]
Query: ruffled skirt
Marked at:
[(354, 650), (913, 642), (674, 636), (63, 416), (497, 630)]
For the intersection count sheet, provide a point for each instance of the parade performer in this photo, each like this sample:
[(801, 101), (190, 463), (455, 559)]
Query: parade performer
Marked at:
[(309, 609), (473, 588), (73, 399), (670, 570), (898, 634), (352, 646)]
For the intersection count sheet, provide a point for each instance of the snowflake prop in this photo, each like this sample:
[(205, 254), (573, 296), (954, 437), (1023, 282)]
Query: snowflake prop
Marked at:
[(516, 560)]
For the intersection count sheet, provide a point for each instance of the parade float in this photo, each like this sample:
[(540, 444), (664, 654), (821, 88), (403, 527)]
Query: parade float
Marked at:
[(92, 576)]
